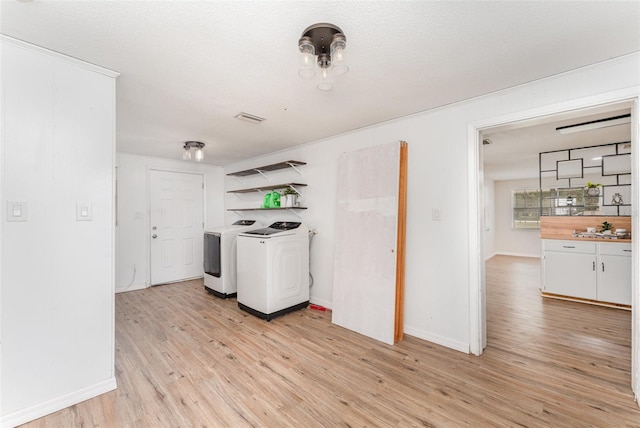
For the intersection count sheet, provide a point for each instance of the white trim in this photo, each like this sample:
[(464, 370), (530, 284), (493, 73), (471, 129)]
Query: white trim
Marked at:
[(507, 253), (439, 340), (635, 248), (58, 403), (58, 55), (321, 302), (133, 287), (477, 311)]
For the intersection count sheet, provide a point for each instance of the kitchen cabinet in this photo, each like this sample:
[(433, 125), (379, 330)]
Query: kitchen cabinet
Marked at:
[(614, 273), (594, 271)]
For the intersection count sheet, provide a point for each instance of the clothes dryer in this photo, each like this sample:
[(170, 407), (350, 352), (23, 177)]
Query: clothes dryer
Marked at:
[(220, 257), (273, 269)]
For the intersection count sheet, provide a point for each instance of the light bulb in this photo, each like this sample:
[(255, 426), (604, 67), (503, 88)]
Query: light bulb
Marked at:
[(307, 60), (186, 155), (199, 154), (338, 46), (326, 79)]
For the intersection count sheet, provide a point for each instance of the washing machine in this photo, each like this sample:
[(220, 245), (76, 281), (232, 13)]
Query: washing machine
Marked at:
[(220, 257), (273, 269)]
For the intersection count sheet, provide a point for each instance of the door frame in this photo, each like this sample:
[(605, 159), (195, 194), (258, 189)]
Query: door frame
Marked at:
[(477, 306), (147, 221)]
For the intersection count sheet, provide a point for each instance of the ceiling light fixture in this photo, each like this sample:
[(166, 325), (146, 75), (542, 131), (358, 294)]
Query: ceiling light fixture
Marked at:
[(198, 149), (327, 42), (595, 124)]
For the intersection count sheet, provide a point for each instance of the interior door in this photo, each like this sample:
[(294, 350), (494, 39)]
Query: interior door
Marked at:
[(365, 267), (177, 226)]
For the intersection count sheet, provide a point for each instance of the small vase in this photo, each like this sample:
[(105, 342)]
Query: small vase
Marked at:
[(593, 191)]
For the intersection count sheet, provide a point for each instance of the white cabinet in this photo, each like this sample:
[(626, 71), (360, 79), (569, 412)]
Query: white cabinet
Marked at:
[(614, 273), (599, 271), (570, 268)]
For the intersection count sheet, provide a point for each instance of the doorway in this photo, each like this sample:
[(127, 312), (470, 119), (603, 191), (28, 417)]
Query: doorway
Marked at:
[(177, 227), (477, 218)]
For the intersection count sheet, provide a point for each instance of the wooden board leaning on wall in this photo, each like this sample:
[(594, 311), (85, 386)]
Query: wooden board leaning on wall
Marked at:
[(562, 227)]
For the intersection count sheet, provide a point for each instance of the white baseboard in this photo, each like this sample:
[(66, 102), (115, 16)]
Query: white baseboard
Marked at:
[(133, 287), (39, 410), (453, 344), (488, 257), (500, 253), (325, 303)]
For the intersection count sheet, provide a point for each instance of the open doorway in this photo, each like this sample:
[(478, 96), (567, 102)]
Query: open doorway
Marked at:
[(477, 320), (515, 263)]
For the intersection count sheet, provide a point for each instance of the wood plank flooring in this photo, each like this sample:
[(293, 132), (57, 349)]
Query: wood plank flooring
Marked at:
[(186, 359)]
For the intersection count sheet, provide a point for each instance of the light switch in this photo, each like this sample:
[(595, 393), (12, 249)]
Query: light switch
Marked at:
[(83, 211), (435, 214), (16, 211)]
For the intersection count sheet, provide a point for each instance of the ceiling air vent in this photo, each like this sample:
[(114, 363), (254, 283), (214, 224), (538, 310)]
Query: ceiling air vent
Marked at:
[(250, 117)]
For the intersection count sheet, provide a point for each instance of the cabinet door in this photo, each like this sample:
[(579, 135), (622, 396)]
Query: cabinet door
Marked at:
[(570, 274), (614, 279)]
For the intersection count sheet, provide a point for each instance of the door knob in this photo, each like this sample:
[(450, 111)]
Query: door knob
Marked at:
[(154, 236)]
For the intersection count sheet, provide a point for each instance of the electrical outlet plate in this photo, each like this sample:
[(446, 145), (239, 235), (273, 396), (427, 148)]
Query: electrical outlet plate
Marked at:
[(16, 211)]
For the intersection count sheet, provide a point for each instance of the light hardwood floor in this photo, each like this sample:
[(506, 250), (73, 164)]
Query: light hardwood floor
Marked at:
[(185, 359)]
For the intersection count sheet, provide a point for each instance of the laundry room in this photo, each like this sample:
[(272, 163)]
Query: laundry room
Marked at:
[(240, 213)]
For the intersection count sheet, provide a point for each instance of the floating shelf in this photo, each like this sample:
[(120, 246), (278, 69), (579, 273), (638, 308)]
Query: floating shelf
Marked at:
[(272, 167), (272, 187), (267, 209)]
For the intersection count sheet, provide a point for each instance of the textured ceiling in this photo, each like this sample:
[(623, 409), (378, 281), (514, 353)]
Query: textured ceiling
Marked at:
[(188, 67)]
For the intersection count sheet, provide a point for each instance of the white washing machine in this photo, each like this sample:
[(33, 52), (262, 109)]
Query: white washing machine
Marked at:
[(273, 269), (220, 257)]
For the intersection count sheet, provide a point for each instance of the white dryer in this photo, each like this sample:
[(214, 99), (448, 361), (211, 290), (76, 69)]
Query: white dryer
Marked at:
[(220, 257), (273, 269)]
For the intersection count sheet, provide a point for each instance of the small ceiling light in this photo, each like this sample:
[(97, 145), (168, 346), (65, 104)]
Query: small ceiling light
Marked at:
[(197, 147), (322, 45)]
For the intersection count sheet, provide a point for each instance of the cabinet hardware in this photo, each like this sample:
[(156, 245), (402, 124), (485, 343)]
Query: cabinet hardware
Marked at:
[(602, 266), (627, 251), (594, 266), (568, 246)]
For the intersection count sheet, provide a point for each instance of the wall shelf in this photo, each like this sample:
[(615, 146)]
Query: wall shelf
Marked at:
[(267, 209), (272, 187), (273, 167)]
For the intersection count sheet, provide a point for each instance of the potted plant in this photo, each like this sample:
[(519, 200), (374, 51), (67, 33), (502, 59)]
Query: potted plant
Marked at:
[(606, 226), (290, 197), (593, 189)]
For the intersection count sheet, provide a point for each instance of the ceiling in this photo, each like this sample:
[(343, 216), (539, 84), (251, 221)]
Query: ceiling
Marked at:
[(513, 152), (188, 67)]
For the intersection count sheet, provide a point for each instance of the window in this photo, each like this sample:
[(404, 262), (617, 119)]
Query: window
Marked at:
[(526, 208)]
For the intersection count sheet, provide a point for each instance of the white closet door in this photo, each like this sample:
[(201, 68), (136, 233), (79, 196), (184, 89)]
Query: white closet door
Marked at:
[(364, 283)]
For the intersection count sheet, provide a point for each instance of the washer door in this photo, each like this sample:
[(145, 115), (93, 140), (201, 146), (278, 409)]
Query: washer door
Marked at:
[(212, 254)]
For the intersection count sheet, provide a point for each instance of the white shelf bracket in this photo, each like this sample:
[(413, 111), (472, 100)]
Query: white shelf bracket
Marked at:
[(295, 190), (263, 174), (239, 179), (295, 213), (294, 167)]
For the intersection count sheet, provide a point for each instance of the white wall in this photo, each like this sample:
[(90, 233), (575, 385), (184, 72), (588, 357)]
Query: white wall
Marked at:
[(57, 303), (133, 229), (438, 253), (509, 241)]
